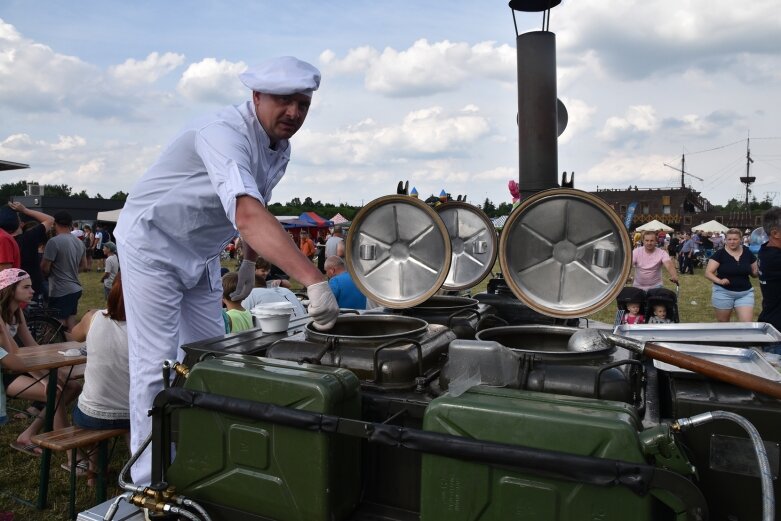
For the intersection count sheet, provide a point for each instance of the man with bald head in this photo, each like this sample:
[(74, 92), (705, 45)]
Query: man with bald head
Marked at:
[(213, 180), (347, 293)]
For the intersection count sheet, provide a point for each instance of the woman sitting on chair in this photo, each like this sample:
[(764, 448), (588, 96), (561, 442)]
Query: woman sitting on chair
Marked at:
[(15, 289), (104, 402)]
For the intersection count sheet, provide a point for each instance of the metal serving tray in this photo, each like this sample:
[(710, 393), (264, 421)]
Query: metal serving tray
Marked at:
[(726, 333), (746, 360)]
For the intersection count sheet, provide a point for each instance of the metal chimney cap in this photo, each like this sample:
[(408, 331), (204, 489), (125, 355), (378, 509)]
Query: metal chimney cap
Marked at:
[(533, 6)]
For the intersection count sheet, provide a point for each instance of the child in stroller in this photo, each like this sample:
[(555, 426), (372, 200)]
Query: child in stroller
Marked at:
[(631, 306), (661, 306)]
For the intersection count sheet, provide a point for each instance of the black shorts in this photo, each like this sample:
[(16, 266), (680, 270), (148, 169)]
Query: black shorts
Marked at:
[(65, 305), (98, 254)]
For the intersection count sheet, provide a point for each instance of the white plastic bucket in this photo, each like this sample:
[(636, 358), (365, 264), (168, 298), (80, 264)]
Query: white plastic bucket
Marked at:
[(273, 317)]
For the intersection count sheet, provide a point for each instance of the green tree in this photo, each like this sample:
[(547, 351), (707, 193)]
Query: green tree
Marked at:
[(504, 208), (119, 196), (57, 190), (8, 190), (489, 208)]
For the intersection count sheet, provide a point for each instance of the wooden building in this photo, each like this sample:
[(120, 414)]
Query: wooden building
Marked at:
[(679, 208)]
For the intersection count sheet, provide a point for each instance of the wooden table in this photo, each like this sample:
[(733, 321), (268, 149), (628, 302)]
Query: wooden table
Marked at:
[(48, 358)]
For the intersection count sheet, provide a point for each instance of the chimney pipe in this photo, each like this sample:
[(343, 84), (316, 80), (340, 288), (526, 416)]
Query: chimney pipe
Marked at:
[(537, 121)]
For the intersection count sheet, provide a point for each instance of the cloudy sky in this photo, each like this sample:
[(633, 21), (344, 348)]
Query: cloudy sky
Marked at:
[(419, 90)]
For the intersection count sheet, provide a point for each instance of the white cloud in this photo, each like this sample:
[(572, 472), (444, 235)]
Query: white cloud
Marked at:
[(619, 170), (35, 78), (90, 171), (425, 68), (422, 133), (638, 39), (637, 122), (69, 142), (8, 33), (356, 60), (19, 146), (210, 80), (146, 71)]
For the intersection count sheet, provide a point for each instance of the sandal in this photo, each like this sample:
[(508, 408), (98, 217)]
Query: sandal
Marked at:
[(31, 448)]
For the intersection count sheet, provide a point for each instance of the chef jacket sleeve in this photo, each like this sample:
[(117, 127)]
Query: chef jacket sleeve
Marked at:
[(227, 157)]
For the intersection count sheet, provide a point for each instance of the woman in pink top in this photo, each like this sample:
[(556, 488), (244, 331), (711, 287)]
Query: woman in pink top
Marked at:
[(648, 261)]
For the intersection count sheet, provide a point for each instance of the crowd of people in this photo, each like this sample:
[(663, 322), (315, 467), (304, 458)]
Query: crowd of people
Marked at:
[(41, 266), (728, 262)]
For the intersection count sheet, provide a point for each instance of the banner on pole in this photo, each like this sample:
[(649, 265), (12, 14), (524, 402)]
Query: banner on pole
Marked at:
[(630, 214)]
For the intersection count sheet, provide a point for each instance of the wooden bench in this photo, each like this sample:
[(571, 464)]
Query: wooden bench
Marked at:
[(73, 438)]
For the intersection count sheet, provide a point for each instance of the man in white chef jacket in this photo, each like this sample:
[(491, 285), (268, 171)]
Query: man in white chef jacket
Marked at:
[(214, 178)]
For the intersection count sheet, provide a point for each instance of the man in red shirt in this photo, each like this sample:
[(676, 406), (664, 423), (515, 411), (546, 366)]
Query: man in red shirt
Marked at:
[(9, 251)]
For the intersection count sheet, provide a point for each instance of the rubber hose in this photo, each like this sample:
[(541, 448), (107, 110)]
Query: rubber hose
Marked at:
[(766, 477)]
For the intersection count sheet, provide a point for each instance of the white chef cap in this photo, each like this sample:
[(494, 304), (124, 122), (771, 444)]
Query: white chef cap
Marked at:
[(284, 75)]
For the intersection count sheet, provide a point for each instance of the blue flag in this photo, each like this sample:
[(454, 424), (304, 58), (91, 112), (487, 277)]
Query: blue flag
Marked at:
[(630, 214)]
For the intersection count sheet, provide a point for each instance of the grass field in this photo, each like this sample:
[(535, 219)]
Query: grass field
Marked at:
[(19, 472)]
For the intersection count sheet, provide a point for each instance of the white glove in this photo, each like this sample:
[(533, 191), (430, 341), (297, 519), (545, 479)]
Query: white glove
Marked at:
[(322, 306), (246, 281)]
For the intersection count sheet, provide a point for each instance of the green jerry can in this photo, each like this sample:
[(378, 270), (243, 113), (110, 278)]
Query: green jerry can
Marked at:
[(242, 469), (455, 490)]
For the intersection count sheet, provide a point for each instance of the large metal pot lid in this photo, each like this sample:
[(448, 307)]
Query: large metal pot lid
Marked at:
[(565, 253), (472, 242), (398, 251)]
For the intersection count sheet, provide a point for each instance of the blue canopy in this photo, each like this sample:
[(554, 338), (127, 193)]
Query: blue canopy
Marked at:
[(295, 223), (315, 220)]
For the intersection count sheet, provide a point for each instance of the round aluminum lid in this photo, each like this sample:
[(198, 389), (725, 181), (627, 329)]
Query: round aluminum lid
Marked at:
[(565, 253), (473, 243), (398, 251)]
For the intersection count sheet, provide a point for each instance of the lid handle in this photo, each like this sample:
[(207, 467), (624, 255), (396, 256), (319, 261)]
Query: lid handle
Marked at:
[(602, 258), (479, 247), (368, 252)]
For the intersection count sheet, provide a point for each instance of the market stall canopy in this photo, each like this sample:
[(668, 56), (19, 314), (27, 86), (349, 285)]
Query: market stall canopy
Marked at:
[(295, 223), (315, 220), (710, 227), (499, 221), (110, 216), (654, 226), (339, 219)]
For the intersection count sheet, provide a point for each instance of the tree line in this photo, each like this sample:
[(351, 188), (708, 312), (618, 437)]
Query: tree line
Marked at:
[(8, 190), (294, 207)]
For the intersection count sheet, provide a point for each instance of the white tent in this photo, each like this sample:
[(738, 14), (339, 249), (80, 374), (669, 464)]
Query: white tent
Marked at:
[(110, 216), (654, 226), (710, 227)]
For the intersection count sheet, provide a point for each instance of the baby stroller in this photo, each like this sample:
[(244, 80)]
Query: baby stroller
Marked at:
[(664, 297), (627, 295)]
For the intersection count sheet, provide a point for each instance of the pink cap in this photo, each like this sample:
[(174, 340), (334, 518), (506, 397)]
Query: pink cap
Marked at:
[(12, 276)]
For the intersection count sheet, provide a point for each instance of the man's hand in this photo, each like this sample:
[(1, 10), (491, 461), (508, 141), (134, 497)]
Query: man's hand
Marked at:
[(17, 207), (322, 306), (246, 280)]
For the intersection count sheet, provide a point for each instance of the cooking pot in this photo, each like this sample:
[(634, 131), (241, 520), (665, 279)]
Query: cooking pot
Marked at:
[(545, 342)]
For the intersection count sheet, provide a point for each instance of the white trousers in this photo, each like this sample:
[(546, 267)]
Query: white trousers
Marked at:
[(161, 316)]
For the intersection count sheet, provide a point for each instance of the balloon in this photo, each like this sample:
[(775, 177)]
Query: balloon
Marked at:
[(758, 238)]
